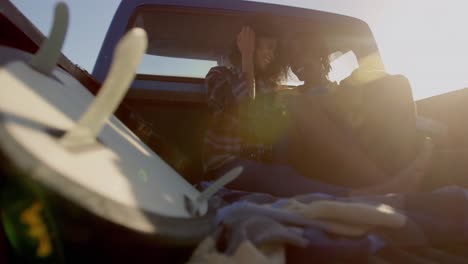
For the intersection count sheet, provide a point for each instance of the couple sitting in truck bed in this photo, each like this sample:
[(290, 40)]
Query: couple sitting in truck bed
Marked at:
[(342, 139)]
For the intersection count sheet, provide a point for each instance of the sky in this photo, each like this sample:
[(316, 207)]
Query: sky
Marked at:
[(425, 40)]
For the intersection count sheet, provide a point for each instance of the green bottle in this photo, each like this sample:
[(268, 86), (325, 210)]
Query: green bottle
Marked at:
[(27, 221)]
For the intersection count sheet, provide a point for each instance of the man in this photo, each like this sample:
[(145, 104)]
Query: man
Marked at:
[(357, 133)]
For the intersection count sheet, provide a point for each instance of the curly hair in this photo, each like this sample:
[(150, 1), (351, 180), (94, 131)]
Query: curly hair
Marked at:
[(312, 42), (277, 71)]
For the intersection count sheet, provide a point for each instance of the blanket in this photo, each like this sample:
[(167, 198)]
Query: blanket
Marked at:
[(426, 227)]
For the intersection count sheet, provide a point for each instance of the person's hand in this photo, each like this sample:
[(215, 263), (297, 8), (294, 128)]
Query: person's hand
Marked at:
[(415, 172), (246, 41)]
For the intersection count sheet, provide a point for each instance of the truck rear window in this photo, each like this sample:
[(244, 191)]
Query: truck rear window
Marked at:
[(170, 66)]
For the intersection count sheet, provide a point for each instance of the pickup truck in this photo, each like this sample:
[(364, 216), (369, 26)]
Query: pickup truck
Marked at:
[(168, 110), (161, 108)]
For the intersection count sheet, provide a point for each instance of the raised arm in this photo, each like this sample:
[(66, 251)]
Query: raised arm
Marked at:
[(246, 46)]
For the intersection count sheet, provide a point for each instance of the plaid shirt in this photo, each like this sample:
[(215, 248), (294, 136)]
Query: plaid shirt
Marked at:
[(227, 136)]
